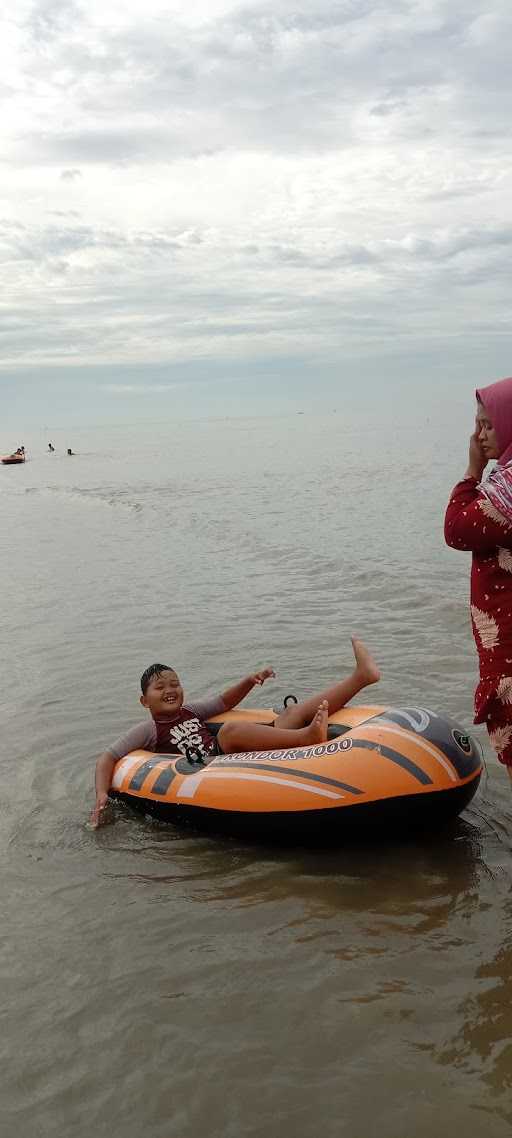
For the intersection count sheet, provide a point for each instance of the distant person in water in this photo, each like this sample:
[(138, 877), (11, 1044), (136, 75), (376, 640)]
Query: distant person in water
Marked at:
[(177, 727), (51, 448), (479, 519), (70, 451)]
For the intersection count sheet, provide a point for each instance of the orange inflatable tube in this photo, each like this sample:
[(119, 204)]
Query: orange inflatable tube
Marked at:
[(385, 768)]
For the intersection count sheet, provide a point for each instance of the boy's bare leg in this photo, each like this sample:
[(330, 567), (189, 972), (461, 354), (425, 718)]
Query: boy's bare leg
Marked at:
[(234, 737), (365, 672)]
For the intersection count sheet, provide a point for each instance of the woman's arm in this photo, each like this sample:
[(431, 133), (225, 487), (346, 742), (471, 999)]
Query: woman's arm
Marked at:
[(236, 694), (472, 523)]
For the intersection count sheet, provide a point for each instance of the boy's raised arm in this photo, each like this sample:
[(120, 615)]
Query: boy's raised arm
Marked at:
[(236, 694)]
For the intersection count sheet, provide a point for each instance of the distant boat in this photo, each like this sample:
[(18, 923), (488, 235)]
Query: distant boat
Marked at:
[(13, 459)]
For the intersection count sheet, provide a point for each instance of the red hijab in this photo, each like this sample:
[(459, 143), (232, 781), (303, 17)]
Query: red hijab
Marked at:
[(497, 488)]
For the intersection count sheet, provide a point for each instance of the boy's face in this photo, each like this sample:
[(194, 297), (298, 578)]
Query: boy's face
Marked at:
[(164, 694)]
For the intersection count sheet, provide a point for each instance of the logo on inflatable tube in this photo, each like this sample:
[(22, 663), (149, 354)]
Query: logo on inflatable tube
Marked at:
[(335, 747)]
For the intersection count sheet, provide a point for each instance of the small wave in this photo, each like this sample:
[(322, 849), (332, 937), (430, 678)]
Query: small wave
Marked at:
[(111, 497)]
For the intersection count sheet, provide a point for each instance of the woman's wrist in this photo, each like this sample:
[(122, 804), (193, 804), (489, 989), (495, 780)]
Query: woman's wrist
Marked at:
[(474, 474)]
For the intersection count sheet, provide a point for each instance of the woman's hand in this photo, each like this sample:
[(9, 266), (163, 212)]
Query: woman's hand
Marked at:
[(260, 677), (477, 458)]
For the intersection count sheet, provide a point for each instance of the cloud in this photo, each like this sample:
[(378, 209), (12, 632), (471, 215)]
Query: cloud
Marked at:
[(266, 77), (139, 388), (253, 181)]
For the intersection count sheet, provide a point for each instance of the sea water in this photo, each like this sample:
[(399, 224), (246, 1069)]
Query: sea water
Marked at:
[(163, 984)]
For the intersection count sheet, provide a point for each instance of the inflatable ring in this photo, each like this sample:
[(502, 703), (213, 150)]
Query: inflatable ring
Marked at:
[(391, 768)]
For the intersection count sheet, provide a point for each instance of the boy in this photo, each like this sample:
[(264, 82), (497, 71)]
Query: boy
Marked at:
[(177, 727)]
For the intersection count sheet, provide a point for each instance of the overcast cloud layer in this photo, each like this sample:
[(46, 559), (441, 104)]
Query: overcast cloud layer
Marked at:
[(250, 184)]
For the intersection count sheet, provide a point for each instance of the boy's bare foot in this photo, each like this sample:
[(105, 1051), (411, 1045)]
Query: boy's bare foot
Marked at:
[(317, 730), (366, 667)]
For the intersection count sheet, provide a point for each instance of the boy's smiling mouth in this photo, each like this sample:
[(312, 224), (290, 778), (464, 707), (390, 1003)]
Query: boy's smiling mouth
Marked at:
[(170, 700)]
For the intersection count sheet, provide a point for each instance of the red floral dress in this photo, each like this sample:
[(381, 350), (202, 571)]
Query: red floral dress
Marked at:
[(473, 523)]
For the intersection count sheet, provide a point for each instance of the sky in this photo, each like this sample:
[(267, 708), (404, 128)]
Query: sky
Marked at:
[(245, 206)]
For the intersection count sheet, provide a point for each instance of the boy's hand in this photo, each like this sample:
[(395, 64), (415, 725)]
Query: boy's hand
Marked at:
[(260, 677), (233, 696), (99, 809)]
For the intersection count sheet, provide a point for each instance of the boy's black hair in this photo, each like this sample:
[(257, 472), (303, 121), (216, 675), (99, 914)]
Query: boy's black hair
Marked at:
[(151, 672)]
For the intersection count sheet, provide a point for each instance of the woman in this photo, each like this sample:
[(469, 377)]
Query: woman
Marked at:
[(479, 518)]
